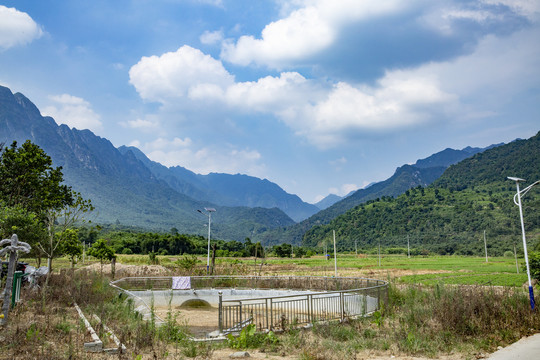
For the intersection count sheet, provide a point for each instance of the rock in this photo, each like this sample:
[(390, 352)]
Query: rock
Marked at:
[(213, 334), (239, 355)]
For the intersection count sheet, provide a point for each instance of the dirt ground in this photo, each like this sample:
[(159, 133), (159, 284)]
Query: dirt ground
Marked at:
[(364, 355), (199, 321)]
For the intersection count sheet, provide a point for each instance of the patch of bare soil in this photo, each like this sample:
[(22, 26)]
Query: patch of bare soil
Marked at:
[(362, 355), (199, 321)]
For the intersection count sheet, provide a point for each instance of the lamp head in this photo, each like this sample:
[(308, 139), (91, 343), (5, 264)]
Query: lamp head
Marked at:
[(515, 179), (210, 209)]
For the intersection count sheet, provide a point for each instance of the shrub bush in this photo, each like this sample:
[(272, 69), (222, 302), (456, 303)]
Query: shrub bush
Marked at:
[(534, 264)]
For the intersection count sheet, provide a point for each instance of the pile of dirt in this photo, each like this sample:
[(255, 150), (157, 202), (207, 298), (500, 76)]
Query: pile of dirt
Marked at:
[(129, 270)]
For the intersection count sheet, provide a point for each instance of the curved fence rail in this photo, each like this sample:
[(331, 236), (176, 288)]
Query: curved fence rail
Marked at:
[(315, 299), (282, 312)]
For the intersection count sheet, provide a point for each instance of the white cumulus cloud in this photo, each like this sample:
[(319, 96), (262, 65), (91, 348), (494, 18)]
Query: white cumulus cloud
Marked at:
[(397, 101), (74, 112), (174, 74), (17, 28), (328, 113), (273, 94), (305, 31)]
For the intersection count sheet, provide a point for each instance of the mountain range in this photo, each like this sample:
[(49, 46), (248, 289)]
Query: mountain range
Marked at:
[(122, 188), (127, 188)]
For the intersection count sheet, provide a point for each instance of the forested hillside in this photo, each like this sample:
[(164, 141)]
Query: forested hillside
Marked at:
[(451, 215)]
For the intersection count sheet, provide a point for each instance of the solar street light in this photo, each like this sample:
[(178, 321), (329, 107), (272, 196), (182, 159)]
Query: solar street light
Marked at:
[(210, 211), (517, 201)]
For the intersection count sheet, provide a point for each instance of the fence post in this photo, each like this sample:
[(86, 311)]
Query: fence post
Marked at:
[(271, 314), (342, 306), (266, 311), (240, 314), (220, 312), (310, 304)]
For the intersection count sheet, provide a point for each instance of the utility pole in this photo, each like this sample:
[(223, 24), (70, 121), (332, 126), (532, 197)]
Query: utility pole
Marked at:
[(209, 215), (379, 251), (408, 248), (485, 245), (335, 254)]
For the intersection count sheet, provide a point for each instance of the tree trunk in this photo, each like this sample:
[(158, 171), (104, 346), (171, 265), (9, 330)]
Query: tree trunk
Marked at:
[(49, 267)]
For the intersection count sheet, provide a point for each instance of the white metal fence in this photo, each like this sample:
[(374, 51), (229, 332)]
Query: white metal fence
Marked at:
[(315, 299)]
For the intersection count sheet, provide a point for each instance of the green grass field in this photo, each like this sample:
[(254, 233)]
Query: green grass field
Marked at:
[(430, 270)]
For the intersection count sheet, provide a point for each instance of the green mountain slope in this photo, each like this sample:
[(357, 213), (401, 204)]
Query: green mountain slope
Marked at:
[(450, 215), (519, 158)]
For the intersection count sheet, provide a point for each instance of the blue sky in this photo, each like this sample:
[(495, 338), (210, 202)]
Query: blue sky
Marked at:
[(319, 96)]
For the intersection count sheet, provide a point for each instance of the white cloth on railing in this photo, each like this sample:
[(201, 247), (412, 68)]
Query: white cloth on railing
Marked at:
[(181, 282)]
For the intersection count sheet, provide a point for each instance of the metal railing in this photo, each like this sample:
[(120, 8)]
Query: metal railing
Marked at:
[(281, 312)]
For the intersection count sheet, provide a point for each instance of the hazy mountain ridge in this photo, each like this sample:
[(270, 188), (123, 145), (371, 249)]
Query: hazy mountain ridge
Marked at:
[(328, 201), (228, 189)]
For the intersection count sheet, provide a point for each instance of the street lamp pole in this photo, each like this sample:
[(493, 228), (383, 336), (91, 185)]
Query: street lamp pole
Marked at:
[(518, 203), (210, 211)]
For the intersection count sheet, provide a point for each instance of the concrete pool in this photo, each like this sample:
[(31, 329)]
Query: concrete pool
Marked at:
[(208, 306)]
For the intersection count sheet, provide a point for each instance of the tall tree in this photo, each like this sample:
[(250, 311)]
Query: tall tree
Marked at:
[(30, 181)]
